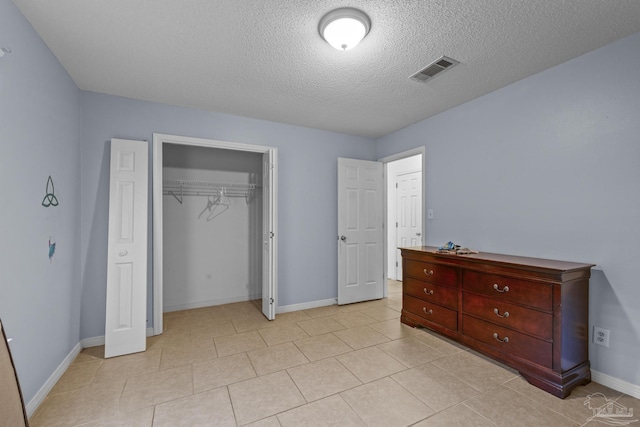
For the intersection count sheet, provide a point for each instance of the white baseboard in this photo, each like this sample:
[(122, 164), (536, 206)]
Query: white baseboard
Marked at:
[(306, 305), (92, 342), (616, 384), (53, 379), (209, 303)]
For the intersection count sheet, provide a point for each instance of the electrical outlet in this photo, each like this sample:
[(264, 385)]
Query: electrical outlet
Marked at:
[(601, 336)]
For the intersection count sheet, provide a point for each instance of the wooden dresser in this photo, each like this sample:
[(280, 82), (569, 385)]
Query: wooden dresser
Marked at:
[(529, 313)]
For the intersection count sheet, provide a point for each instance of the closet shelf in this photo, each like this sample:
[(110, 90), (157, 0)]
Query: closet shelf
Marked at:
[(180, 188)]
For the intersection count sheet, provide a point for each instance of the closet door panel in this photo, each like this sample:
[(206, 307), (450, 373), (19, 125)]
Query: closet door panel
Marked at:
[(269, 261), (126, 311)]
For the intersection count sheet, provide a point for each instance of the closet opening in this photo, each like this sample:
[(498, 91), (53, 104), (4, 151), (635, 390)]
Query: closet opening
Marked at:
[(214, 224)]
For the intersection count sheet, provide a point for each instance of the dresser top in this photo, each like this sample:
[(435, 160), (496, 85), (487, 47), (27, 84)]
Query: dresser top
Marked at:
[(507, 260)]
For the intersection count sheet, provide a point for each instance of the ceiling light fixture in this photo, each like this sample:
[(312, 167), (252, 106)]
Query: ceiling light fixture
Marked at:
[(344, 28)]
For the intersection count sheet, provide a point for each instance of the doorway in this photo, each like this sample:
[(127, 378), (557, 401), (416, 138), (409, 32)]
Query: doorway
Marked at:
[(218, 197), (404, 206)]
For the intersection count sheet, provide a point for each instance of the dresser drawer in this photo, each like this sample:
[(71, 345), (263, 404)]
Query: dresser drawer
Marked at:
[(443, 295), (432, 312), (512, 316), (433, 273), (508, 341), (532, 294)]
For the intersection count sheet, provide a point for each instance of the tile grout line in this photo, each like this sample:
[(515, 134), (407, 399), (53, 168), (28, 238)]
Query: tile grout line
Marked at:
[(479, 414), (233, 408)]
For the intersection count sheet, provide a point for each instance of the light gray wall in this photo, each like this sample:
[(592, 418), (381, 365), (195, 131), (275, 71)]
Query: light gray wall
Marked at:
[(307, 191), (39, 136), (211, 256), (549, 167)]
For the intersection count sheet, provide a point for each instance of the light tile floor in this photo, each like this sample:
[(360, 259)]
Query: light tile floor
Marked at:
[(330, 366)]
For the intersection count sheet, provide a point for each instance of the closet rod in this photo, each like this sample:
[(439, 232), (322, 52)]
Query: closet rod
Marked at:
[(180, 188)]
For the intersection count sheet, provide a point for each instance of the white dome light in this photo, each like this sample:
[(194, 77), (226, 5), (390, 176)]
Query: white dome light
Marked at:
[(344, 28)]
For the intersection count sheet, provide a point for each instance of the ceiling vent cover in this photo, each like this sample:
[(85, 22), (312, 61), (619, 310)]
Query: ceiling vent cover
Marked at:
[(433, 69)]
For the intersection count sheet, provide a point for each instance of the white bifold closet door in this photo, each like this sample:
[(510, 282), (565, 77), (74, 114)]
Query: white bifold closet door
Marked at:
[(126, 311), (269, 266)]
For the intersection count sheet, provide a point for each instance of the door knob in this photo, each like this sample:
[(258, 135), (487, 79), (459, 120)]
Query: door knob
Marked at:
[(343, 238), (123, 253), (418, 234)]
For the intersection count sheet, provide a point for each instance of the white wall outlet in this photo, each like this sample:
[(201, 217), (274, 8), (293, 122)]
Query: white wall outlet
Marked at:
[(601, 336), (429, 213)]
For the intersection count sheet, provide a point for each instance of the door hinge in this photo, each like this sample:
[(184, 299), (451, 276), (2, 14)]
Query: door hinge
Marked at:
[(396, 263), (396, 185), (271, 234), (396, 224), (271, 301)]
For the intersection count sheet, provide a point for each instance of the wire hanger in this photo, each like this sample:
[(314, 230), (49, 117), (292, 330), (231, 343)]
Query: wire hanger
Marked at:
[(215, 207), (215, 211), (210, 204)]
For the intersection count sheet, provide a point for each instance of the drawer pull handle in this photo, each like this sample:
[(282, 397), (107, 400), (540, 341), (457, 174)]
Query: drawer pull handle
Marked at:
[(428, 292), (427, 311), (497, 312), (497, 288), (497, 337), (428, 272)]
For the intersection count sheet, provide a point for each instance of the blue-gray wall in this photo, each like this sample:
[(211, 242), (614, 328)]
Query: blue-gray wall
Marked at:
[(307, 183), (39, 136), (549, 167)]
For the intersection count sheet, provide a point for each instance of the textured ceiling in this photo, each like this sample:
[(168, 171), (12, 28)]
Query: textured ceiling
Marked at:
[(265, 59)]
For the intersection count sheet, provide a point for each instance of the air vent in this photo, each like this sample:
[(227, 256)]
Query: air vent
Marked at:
[(433, 69)]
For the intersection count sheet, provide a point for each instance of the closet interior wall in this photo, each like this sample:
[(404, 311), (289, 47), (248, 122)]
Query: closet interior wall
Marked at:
[(212, 244)]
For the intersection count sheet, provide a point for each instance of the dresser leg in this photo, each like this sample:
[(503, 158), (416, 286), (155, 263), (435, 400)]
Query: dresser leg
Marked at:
[(561, 385)]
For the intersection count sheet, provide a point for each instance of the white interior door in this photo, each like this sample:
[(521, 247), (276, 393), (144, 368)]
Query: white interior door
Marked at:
[(360, 231), (126, 317), (269, 260), (409, 214)]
